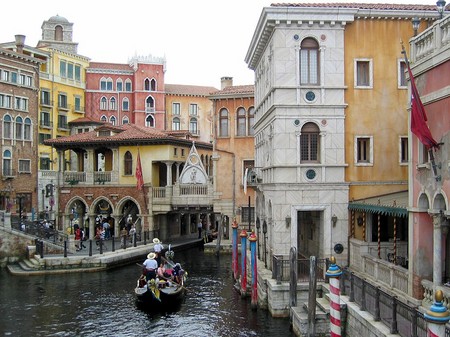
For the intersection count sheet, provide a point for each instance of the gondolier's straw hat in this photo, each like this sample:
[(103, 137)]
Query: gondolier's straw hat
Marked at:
[(151, 256), (156, 240)]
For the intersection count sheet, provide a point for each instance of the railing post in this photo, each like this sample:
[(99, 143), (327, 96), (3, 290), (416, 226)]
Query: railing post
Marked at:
[(352, 288), (113, 246), (279, 269), (394, 315), (414, 317), (293, 276), (42, 249), (90, 247), (65, 248), (363, 295), (377, 316), (134, 240), (437, 317), (145, 237)]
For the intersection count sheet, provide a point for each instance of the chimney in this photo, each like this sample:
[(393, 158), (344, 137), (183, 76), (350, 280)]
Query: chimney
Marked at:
[(20, 43), (226, 82)]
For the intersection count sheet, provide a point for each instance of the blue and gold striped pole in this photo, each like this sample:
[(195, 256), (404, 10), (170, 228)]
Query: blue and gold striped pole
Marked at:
[(437, 316)]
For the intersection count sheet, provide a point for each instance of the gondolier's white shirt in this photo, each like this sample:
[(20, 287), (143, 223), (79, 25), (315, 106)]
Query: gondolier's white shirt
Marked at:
[(151, 264)]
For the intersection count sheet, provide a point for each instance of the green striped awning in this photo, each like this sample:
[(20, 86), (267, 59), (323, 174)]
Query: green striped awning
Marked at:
[(378, 209)]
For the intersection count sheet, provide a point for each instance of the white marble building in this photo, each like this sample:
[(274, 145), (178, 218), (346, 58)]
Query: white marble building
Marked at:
[(302, 196)]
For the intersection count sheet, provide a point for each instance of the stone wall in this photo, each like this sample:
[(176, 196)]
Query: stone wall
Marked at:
[(13, 246)]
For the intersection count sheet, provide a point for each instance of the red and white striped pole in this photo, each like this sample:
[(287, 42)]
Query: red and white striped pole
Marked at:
[(437, 316), (333, 273)]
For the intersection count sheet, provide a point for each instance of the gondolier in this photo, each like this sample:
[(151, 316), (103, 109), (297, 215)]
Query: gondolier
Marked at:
[(150, 266)]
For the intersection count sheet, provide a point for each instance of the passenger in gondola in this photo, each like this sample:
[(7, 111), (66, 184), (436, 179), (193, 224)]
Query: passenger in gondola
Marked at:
[(150, 266), (162, 272), (158, 247), (177, 273)]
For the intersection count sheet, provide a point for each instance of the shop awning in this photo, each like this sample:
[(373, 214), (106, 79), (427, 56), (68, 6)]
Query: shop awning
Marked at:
[(393, 204)]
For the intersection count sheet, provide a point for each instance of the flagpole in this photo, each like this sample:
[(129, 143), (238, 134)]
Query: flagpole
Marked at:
[(415, 96)]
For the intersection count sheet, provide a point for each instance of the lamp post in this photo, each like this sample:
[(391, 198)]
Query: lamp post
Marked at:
[(258, 226), (440, 7), (71, 219)]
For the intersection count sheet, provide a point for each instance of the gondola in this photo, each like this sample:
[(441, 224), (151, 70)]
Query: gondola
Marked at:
[(162, 292)]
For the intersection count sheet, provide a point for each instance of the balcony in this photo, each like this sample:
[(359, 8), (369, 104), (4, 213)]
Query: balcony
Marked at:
[(46, 103), (46, 124), (8, 173), (79, 109), (165, 198), (63, 106)]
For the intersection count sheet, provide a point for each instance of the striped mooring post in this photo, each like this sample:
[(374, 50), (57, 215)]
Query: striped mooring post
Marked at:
[(333, 273), (234, 258), (243, 263), (437, 316), (254, 299)]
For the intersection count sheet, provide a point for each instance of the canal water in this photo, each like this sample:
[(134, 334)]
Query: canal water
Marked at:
[(103, 304)]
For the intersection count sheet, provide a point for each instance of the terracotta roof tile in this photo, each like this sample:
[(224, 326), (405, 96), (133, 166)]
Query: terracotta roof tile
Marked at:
[(194, 90), (235, 89), (379, 6)]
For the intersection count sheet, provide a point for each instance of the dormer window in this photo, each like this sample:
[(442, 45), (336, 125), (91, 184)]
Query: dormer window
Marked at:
[(104, 133)]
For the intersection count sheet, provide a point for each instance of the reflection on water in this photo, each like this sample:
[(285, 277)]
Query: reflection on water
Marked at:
[(103, 304)]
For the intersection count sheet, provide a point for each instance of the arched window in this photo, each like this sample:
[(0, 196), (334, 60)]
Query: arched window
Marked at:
[(112, 104), (149, 104), (112, 120), (240, 122), (59, 33), (103, 84), (309, 143), (7, 169), (19, 127), (128, 87), (251, 121), (309, 62), (193, 126), (125, 120), (128, 164), (103, 119), (125, 104), (147, 84), (153, 85), (103, 103), (119, 84), (150, 121), (27, 129), (7, 127), (176, 124), (223, 123), (109, 84)]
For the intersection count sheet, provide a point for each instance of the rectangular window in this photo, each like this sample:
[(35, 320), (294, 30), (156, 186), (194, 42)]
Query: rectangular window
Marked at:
[(24, 166), (403, 150), (21, 104), (175, 151), (62, 68), (402, 74), (5, 75), (176, 108), (13, 77), (363, 150), (62, 101), (245, 214), (70, 70), (309, 147), (44, 163), (45, 119), (77, 101), (125, 105), (77, 73), (193, 109), (62, 122), (423, 154), (363, 73), (22, 79), (247, 164), (44, 136), (29, 81), (45, 97)]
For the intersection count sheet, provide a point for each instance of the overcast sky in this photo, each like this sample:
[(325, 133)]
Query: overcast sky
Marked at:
[(202, 40)]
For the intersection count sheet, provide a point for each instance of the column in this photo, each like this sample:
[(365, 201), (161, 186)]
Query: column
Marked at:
[(169, 173), (437, 250)]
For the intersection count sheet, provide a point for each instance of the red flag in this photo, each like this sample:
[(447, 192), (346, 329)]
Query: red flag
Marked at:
[(418, 116), (139, 177)]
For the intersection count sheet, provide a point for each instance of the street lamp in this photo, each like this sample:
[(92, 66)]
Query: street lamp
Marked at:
[(258, 226), (440, 7), (71, 219)]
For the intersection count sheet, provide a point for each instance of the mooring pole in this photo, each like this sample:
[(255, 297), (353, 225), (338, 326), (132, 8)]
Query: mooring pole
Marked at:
[(312, 297), (234, 262), (437, 316), (243, 263), (334, 272), (253, 239)]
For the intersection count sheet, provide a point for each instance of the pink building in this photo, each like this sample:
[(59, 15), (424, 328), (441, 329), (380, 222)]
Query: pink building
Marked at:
[(127, 93), (429, 172)]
